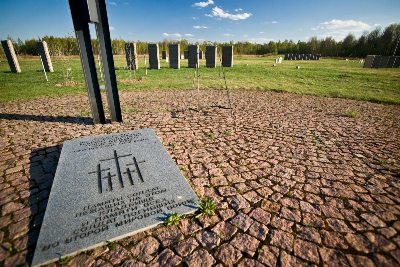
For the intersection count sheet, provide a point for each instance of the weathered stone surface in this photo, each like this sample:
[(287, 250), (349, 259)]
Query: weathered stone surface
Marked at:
[(224, 230), (282, 239), (228, 254), (185, 247), (268, 255), (146, 249), (357, 260), (167, 258), (306, 250), (200, 258), (331, 257), (246, 244), (208, 239)]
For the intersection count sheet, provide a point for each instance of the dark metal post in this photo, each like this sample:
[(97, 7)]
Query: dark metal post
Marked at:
[(80, 18), (103, 36)]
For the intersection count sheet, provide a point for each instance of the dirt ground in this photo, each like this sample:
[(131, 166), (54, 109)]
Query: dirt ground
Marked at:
[(299, 180)]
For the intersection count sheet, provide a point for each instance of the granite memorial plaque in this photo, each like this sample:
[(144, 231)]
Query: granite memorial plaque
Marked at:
[(108, 187), (12, 59), (174, 53)]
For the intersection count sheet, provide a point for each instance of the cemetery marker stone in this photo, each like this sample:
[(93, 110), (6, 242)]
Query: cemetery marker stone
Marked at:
[(227, 56), (131, 56), (108, 187), (9, 51), (45, 56), (154, 56), (174, 56), (193, 56), (211, 56)]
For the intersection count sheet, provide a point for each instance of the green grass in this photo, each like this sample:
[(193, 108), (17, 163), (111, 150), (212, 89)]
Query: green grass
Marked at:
[(351, 113), (327, 77), (173, 219), (206, 207)]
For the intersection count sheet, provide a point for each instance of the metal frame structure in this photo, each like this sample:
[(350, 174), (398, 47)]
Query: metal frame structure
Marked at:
[(94, 11)]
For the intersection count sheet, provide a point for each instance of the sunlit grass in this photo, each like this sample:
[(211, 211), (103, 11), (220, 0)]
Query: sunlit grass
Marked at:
[(327, 77)]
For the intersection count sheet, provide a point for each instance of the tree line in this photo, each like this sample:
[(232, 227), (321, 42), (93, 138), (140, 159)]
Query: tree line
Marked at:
[(377, 42)]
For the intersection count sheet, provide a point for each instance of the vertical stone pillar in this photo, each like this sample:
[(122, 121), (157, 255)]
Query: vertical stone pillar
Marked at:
[(154, 56), (43, 52), (131, 56), (369, 61), (174, 56), (193, 56), (227, 56), (211, 56), (12, 59)]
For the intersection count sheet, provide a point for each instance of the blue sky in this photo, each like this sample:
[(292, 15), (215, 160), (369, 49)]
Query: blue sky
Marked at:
[(210, 20)]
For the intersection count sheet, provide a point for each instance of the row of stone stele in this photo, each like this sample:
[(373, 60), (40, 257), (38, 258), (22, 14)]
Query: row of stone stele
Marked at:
[(12, 59), (193, 54)]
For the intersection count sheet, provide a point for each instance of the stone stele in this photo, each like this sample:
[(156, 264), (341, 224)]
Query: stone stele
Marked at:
[(109, 187)]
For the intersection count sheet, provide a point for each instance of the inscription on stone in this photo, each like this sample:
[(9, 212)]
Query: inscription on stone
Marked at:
[(108, 187)]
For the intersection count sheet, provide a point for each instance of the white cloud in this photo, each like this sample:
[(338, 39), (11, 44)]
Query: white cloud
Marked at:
[(112, 3), (238, 9), (228, 34), (200, 27), (195, 18), (112, 28), (189, 35), (204, 4), (260, 40), (220, 13), (338, 29), (274, 22), (245, 35), (260, 32), (178, 35)]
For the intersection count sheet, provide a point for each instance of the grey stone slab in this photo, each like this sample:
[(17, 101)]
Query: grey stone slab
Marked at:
[(185, 54), (193, 56), (174, 56), (211, 56), (12, 59), (131, 56), (369, 61), (394, 62), (108, 187), (154, 56), (227, 56), (44, 54)]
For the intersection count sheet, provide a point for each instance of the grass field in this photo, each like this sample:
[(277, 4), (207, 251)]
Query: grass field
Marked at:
[(327, 77)]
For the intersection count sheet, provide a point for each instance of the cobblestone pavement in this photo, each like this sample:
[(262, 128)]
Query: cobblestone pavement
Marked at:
[(297, 181)]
